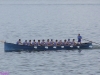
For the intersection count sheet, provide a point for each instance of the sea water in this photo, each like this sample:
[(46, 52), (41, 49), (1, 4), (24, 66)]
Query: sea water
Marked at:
[(50, 21)]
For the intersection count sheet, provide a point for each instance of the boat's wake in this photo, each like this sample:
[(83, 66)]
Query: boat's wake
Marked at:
[(96, 46)]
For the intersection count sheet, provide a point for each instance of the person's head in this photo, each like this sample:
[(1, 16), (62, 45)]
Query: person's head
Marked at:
[(29, 40), (78, 34), (68, 39), (19, 39), (43, 40), (51, 39), (25, 40), (34, 40), (38, 40), (65, 40), (73, 39), (47, 40), (56, 40), (60, 40)]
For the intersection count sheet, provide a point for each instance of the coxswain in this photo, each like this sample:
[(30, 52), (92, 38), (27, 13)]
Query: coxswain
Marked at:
[(79, 37)]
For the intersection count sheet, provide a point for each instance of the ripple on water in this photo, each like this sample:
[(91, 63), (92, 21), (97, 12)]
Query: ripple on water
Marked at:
[(50, 22)]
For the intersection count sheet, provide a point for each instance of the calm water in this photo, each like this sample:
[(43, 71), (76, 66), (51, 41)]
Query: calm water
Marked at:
[(50, 22)]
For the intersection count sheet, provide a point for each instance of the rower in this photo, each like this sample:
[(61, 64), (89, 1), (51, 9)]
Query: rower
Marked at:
[(29, 43), (60, 43), (68, 42), (65, 42), (51, 42), (25, 43), (73, 42), (38, 43), (79, 37), (19, 42), (56, 43), (34, 43), (48, 43), (43, 43)]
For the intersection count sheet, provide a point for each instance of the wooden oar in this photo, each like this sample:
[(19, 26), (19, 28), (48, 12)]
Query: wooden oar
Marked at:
[(86, 40), (92, 41)]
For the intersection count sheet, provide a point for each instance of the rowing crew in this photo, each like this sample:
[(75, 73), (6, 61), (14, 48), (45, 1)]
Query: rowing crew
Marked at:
[(51, 43), (47, 43)]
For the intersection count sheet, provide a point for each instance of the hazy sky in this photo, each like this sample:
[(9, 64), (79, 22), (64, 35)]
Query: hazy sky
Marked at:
[(49, 1)]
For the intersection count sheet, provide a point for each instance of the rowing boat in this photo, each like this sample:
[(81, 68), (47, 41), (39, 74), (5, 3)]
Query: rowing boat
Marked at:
[(9, 47)]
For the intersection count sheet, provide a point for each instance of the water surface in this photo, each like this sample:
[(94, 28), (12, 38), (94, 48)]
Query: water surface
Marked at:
[(53, 21)]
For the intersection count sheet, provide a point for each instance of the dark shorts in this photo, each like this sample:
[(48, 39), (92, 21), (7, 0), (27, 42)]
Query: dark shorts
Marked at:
[(79, 40)]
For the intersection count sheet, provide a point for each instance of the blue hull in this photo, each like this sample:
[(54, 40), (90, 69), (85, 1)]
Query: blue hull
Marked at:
[(9, 47)]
